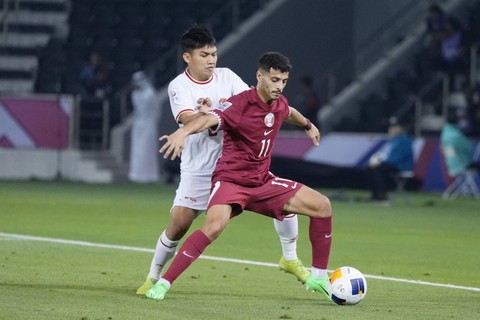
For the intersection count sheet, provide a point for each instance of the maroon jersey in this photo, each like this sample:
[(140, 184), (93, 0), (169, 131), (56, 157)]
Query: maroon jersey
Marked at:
[(250, 127)]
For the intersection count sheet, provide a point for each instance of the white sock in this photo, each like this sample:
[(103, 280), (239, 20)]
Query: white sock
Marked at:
[(164, 251), (287, 231), (318, 273), (166, 282)]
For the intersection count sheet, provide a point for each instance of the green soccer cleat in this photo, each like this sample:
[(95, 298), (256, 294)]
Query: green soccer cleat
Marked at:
[(318, 285), (147, 285), (294, 267), (158, 291)]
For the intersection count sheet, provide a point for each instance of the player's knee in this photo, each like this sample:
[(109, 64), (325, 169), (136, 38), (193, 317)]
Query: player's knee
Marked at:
[(323, 208), (176, 232), (213, 229)]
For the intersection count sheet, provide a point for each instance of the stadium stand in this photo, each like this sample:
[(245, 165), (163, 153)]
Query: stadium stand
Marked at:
[(131, 35), (48, 41), (418, 79), (27, 26)]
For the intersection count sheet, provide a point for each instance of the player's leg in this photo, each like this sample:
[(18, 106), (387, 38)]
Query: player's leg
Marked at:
[(216, 221), (269, 200), (180, 222), (287, 231), (317, 206), (191, 198)]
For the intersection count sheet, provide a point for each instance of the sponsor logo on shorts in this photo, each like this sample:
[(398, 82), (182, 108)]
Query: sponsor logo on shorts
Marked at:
[(190, 199)]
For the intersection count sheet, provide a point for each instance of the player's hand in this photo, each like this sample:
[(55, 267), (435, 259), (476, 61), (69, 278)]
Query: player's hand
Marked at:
[(314, 134), (204, 105), (174, 144)]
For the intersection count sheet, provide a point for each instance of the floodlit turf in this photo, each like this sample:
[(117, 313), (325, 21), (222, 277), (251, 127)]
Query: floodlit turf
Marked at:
[(424, 239)]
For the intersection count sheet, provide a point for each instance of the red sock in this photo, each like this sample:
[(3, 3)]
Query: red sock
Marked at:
[(191, 249), (321, 240)]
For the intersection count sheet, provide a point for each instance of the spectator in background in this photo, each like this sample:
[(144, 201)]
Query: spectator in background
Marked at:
[(144, 138), (439, 42), (94, 88), (436, 22), (308, 101), (399, 157), (453, 58), (456, 147), (95, 78)]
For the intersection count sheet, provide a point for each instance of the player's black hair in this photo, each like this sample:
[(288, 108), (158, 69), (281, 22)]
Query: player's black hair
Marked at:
[(197, 36), (274, 60)]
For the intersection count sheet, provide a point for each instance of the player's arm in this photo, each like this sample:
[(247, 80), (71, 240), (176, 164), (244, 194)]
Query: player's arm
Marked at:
[(296, 118), (175, 141), (204, 105)]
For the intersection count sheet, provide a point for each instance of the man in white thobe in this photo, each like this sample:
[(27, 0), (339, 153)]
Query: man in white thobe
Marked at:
[(144, 138)]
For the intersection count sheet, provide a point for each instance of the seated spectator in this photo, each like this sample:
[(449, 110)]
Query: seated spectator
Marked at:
[(456, 147), (399, 157)]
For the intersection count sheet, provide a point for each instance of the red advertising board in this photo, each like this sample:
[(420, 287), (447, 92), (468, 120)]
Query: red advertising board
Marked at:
[(36, 121)]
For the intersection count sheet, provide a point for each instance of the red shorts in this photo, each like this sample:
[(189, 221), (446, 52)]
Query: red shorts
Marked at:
[(267, 199)]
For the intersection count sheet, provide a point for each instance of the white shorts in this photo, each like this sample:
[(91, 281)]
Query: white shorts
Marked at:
[(193, 192)]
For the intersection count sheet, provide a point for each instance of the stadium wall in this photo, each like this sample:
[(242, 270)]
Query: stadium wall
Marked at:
[(341, 158), (50, 164)]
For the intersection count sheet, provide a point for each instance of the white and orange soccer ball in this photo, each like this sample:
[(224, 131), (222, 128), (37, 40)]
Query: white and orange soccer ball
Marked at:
[(347, 286)]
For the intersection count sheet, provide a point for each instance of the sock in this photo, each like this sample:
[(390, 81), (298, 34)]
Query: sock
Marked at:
[(287, 231), (191, 249), (321, 239), (167, 283), (318, 273), (164, 251)]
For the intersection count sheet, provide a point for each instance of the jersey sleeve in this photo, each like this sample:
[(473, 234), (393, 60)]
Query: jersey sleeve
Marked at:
[(179, 101), (229, 113)]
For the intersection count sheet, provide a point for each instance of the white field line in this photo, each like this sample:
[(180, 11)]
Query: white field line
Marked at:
[(12, 236)]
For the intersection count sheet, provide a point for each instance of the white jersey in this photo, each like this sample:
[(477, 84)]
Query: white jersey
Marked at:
[(202, 150)]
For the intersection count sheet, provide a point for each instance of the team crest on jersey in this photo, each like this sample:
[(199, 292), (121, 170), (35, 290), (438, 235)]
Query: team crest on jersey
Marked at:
[(269, 120), (174, 95), (224, 106)]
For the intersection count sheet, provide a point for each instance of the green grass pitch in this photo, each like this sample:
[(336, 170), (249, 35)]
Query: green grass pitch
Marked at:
[(425, 238)]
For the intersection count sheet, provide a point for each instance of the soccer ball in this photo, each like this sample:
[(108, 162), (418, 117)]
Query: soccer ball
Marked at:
[(347, 285)]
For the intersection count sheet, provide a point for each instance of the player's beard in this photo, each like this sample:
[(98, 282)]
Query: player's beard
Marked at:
[(275, 95)]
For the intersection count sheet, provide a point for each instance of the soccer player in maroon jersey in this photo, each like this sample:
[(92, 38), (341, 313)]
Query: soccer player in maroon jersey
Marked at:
[(241, 181)]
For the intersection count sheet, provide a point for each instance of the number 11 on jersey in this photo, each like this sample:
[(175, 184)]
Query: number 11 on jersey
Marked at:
[(265, 147)]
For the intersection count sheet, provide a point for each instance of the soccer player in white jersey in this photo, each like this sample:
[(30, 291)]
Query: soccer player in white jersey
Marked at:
[(202, 82)]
